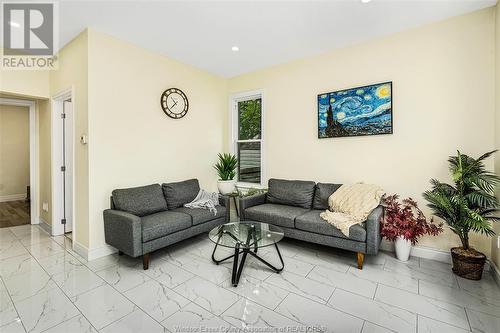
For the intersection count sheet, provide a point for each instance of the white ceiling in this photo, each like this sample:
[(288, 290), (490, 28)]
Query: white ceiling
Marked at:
[(201, 33)]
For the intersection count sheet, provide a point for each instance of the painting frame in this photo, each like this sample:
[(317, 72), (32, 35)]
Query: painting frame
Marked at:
[(364, 87)]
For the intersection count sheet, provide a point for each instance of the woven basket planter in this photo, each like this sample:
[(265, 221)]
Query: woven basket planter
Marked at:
[(468, 264)]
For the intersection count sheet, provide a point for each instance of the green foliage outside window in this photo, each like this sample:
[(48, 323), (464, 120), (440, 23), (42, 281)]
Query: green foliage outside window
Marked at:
[(249, 113)]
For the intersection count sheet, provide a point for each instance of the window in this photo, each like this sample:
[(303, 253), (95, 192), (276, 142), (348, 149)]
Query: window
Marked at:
[(247, 137)]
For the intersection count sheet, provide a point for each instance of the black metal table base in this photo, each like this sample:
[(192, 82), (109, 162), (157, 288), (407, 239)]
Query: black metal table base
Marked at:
[(237, 269)]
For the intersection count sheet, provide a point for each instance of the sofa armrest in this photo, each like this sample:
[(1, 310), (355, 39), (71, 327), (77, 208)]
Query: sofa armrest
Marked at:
[(373, 237), (224, 201), (123, 231), (250, 201)]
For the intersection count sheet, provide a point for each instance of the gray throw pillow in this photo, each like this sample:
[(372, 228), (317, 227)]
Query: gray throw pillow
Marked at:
[(298, 193), (140, 201), (179, 193), (322, 193)]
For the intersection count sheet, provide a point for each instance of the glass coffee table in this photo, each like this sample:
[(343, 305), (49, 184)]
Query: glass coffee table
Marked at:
[(246, 237)]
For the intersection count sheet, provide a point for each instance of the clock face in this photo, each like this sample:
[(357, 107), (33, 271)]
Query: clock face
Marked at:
[(174, 103)]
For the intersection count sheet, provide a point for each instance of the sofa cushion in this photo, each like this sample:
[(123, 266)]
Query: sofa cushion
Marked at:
[(279, 215), (163, 223), (180, 193), (140, 201), (298, 193), (312, 222), (199, 215), (322, 193)]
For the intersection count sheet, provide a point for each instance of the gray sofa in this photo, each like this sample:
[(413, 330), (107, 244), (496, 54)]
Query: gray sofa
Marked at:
[(144, 219), (295, 206)]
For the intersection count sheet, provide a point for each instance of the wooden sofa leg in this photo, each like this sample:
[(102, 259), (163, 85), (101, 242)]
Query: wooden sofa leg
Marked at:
[(361, 258), (145, 261)]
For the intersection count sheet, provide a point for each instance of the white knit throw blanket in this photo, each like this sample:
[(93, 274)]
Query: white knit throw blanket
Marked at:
[(205, 200), (351, 204)]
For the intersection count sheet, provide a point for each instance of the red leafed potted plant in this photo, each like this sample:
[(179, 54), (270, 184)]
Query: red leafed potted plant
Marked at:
[(404, 223)]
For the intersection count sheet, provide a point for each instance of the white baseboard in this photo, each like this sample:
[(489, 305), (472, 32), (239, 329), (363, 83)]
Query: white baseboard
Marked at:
[(12, 197), (495, 271), (45, 226), (82, 250), (427, 253), (102, 251), (430, 253), (92, 254)]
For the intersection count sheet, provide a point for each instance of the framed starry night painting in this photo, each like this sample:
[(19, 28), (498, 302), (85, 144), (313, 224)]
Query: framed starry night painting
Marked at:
[(355, 112)]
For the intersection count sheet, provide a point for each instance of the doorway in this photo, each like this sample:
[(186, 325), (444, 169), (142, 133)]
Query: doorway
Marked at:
[(63, 165), (14, 166), (18, 162)]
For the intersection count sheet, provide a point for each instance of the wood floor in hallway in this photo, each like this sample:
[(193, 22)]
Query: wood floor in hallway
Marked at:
[(14, 213)]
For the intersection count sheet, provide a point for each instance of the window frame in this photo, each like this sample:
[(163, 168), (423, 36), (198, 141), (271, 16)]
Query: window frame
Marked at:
[(234, 131)]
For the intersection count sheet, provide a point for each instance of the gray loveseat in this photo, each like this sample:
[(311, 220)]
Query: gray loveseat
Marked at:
[(295, 206), (147, 218)]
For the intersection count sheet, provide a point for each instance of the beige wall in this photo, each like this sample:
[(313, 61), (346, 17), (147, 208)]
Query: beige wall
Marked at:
[(73, 73), (42, 116), (495, 251), (44, 162), (131, 141), (32, 83), (443, 86), (39, 86), (14, 150)]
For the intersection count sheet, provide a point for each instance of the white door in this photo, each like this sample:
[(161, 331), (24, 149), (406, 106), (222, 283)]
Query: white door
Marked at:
[(67, 165)]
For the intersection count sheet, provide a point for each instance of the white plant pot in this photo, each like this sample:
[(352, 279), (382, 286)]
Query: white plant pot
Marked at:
[(226, 186), (403, 248)]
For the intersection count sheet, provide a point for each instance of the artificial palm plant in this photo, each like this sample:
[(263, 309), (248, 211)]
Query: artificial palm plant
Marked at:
[(469, 204)]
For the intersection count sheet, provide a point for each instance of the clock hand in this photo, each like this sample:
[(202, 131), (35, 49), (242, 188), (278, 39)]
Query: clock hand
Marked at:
[(175, 101)]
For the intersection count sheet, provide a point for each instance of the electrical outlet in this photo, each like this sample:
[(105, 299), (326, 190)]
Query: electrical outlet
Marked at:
[(45, 206)]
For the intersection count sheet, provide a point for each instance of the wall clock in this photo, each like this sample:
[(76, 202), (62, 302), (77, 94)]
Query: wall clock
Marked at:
[(174, 103)]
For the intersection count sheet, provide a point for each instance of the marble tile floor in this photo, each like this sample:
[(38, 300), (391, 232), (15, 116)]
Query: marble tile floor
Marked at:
[(46, 287)]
